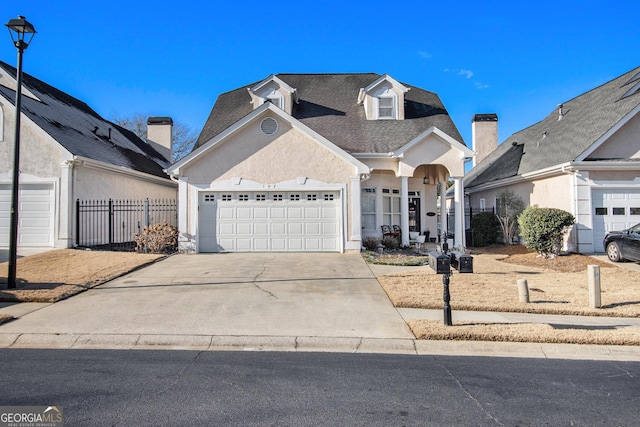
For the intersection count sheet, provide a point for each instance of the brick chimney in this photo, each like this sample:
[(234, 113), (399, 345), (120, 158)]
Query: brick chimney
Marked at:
[(159, 131), (484, 135)]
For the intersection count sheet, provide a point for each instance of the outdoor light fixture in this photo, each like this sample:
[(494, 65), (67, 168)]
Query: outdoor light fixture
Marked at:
[(22, 33), (425, 180)]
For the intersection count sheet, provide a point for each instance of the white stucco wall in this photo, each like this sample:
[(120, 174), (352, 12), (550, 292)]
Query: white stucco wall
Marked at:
[(624, 144), (267, 160), (91, 183)]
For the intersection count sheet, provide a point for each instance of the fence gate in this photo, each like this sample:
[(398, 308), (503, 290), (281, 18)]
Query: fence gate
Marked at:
[(111, 224)]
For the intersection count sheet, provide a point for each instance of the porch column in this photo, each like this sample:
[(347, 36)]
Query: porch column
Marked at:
[(185, 242), (458, 201), (404, 209), (443, 208), (66, 218), (356, 214)]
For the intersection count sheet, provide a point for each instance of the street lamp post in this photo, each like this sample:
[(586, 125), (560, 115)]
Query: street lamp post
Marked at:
[(22, 33)]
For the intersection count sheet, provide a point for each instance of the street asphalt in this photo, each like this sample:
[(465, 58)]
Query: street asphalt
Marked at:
[(266, 301)]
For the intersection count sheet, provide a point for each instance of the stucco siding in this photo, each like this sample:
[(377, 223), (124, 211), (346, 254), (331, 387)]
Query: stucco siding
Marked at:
[(251, 155), (39, 156), (90, 183), (624, 144)]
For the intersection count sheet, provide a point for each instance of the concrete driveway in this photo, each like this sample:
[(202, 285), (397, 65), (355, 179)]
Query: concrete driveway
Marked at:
[(266, 295)]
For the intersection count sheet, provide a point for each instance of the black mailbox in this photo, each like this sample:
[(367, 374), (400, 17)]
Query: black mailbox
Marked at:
[(462, 262), (440, 263)]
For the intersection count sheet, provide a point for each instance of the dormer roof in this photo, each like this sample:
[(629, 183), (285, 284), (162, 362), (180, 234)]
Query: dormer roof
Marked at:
[(327, 103), (374, 85)]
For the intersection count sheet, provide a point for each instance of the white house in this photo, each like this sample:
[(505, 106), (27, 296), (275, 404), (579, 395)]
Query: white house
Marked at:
[(316, 162)]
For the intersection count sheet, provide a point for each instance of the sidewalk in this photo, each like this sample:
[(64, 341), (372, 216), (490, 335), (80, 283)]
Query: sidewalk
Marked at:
[(268, 302)]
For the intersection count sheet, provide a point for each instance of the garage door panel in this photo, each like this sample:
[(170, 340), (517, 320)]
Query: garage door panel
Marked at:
[(260, 213), (226, 212), (261, 228), (612, 210), (312, 213), (35, 214), (312, 228), (244, 228), (294, 228), (278, 213), (294, 213), (295, 244), (270, 222), (227, 229), (279, 244)]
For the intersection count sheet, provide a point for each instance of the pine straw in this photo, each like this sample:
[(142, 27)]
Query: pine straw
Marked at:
[(55, 275), (492, 287), (523, 332)]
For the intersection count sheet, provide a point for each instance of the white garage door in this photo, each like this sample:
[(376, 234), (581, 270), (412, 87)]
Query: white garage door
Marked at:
[(269, 222), (35, 215), (613, 210)]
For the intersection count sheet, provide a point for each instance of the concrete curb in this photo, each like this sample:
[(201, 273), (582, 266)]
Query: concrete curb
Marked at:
[(320, 344)]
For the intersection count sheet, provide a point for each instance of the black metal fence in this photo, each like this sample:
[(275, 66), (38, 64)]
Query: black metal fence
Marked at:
[(112, 224)]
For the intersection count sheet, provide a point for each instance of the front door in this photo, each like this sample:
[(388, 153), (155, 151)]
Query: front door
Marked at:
[(414, 214)]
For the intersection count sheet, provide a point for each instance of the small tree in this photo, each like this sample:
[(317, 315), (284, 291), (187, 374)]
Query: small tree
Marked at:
[(508, 207), (544, 228)]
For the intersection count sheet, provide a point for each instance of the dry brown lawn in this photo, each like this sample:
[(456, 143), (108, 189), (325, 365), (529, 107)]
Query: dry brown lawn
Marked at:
[(556, 286), (523, 332), (58, 274)]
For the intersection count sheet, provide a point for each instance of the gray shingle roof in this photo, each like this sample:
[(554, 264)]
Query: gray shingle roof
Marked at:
[(328, 105), (81, 131), (551, 142)]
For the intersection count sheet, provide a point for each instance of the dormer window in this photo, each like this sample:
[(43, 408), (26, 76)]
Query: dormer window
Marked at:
[(386, 107), (275, 100), (383, 99), (275, 91)]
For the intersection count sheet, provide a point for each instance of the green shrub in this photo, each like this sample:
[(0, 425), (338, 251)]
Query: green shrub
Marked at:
[(543, 228), (370, 243), (157, 239), (484, 227)]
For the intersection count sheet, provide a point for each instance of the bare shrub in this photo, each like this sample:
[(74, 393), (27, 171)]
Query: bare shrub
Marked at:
[(157, 239)]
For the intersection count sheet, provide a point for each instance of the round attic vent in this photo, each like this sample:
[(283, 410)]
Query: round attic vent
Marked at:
[(269, 126)]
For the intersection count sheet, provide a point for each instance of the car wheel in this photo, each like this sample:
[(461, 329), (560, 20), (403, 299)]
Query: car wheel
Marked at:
[(613, 252)]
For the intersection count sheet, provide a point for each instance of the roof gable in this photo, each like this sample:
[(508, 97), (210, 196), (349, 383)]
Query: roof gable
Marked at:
[(253, 117), (581, 126)]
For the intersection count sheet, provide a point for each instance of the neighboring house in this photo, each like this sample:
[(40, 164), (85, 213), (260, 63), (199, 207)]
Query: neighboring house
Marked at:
[(316, 162), (583, 158), (69, 152)]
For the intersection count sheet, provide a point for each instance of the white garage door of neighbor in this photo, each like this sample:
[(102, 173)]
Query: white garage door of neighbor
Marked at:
[(613, 210), (35, 214), (269, 221)]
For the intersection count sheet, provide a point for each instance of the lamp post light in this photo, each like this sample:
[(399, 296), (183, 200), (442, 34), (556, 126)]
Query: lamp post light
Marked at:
[(22, 33)]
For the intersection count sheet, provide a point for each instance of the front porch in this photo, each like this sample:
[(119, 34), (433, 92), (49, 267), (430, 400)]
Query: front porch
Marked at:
[(412, 204)]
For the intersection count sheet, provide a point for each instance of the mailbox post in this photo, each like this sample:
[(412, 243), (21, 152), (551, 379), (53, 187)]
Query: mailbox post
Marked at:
[(441, 263)]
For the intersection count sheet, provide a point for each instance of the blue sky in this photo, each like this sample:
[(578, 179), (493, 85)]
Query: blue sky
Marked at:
[(516, 59)]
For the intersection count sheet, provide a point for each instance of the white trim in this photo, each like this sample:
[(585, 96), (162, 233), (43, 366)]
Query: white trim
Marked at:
[(396, 84)]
